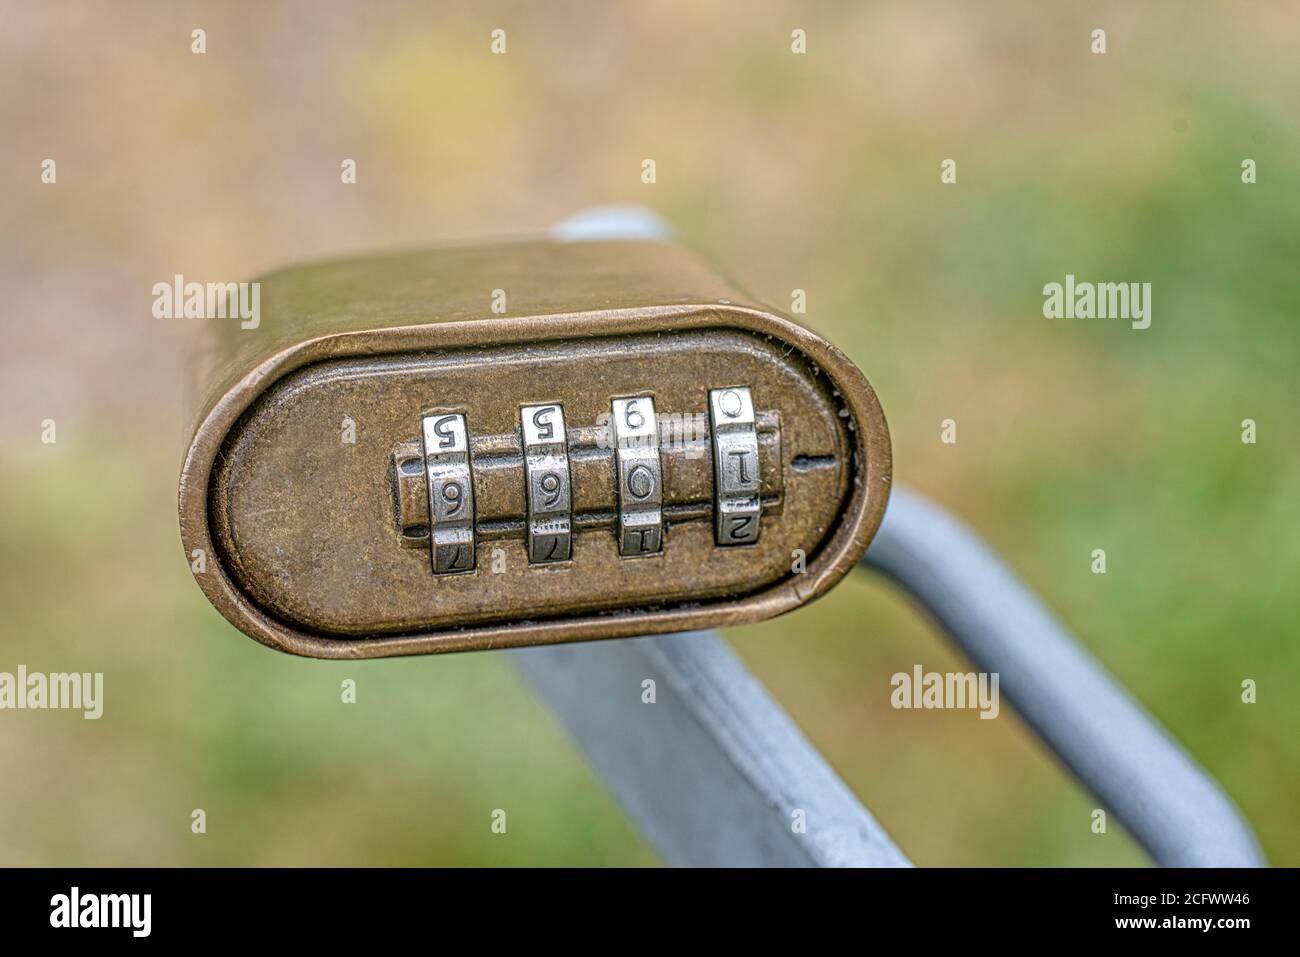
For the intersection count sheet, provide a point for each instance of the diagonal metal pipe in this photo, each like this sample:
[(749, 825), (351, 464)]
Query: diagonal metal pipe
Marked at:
[(1112, 744)]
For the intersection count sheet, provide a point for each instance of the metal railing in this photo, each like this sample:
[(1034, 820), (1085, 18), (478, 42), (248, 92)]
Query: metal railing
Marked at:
[(716, 773)]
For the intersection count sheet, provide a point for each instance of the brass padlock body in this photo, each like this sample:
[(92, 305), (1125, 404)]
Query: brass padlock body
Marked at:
[(300, 483)]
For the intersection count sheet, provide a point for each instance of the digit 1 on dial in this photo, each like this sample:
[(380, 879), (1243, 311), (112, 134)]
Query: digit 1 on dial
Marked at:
[(546, 468), (736, 503), (451, 492)]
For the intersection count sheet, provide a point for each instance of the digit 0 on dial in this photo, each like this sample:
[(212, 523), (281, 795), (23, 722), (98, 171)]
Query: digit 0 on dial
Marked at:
[(451, 492), (546, 466), (640, 476)]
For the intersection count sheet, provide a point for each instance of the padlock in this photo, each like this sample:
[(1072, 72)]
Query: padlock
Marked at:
[(388, 465)]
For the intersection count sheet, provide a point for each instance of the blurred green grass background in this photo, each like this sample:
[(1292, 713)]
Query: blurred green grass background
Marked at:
[(818, 172)]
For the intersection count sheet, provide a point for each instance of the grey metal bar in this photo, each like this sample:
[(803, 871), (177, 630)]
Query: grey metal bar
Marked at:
[(713, 772), (614, 223), (1118, 750), (711, 778)]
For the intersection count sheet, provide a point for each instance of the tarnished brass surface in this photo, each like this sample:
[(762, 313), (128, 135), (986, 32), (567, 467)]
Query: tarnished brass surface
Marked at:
[(320, 545)]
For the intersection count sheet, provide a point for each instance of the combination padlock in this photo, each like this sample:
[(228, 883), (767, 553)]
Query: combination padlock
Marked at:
[(390, 465)]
